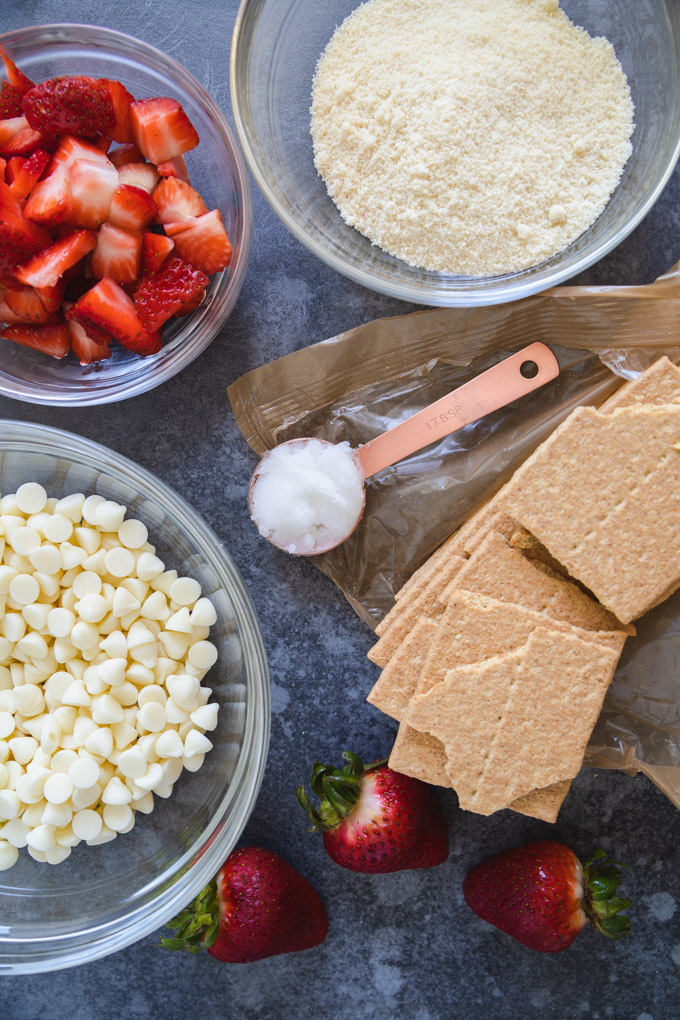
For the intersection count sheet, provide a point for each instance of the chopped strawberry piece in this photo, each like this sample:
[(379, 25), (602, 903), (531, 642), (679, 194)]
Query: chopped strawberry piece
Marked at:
[(19, 239), (174, 168), (70, 149), (17, 78), (121, 130), (85, 348), (3, 167), (202, 241), (103, 144), (52, 297), (132, 208), (29, 173), (162, 129), (155, 250), (52, 340), (10, 101), (109, 309), (177, 200), (51, 200), (161, 295), (78, 105), (139, 175), (7, 316), (118, 254), (17, 137), (128, 153), (14, 165), (45, 269), (93, 185), (27, 306), (192, 304)]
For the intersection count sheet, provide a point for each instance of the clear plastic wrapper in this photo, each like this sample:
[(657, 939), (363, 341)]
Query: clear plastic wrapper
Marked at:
[(363, 382)]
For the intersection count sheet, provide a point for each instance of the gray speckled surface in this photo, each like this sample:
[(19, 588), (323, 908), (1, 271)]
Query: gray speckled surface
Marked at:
[(400, 946)]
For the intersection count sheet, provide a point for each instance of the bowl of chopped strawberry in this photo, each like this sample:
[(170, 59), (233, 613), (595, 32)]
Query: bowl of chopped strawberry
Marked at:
[(125, 216)]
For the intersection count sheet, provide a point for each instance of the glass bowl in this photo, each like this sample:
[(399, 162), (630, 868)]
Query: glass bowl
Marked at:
[(103, 898), (217, 172), (275, 47)]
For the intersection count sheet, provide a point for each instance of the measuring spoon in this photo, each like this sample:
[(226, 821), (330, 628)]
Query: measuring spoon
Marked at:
[(514, 377)]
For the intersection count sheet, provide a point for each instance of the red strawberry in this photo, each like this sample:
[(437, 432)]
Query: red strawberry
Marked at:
[(3, 168), (192, 304), (51, 200), (257, 906), (77, 105), (202, 241), (177, 201), (10, 101), (16, 78), (18, 138), (29, 173), (174, 168), (162, 129), (542, 895), (374, 819), (121, 130), (93, 185), (132, 208), (106, 310), (128, 153), (118, 254), (19, 238), (27, 306), (52, 297), (85, 347), (6, 314), (52, 340), (139, 175), (45, 269), (71, 148), (155, 250), (164, 293)]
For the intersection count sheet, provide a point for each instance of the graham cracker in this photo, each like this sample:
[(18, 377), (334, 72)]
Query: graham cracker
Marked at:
[(417, 584), (506, 574), (519, 721), (472, 628), (397, 682), (659, 384), (423, 757), (426, 604), (612, 518)]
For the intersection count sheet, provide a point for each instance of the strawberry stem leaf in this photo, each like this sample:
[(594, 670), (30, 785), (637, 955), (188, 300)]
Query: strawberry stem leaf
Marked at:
[(197, 926), (337, 790), (601, 879)]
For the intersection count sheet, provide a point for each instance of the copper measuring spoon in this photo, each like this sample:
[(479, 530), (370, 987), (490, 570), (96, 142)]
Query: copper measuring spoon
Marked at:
[(514, 377)]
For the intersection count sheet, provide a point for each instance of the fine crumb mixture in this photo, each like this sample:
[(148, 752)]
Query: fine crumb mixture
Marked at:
[(476, 137)]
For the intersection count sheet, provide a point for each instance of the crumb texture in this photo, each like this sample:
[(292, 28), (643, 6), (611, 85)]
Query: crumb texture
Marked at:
[(475, 137)]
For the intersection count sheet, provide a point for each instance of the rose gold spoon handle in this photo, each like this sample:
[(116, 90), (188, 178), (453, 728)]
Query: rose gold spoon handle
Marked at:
[(514, 377)]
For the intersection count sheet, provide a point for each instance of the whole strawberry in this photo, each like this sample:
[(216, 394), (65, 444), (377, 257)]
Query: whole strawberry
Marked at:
[(257, 906), (543, 896), (374, 819)]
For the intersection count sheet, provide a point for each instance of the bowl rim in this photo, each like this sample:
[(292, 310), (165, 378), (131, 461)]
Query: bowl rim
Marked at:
[(198, 864), (229, 286), (404, 291)]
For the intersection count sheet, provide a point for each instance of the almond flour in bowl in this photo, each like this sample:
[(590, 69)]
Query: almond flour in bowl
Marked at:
[(476, 137)]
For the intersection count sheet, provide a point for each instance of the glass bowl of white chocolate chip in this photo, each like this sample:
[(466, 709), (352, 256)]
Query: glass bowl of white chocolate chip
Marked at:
[(458, 154), (134, 701)]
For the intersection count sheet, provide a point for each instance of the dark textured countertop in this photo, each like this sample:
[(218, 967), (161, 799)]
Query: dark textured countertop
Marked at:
[(400, 946)]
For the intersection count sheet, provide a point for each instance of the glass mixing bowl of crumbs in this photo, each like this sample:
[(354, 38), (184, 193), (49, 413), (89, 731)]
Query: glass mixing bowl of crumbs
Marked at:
[(275, 50), (106, 895)]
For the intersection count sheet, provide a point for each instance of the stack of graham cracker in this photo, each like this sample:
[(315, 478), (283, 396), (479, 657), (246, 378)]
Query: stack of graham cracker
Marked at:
[(498, 652)]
